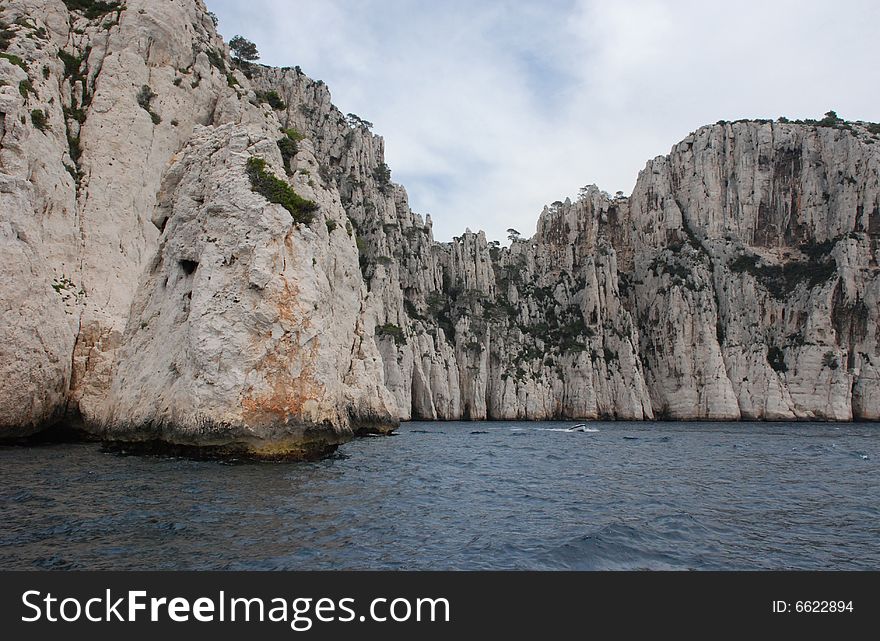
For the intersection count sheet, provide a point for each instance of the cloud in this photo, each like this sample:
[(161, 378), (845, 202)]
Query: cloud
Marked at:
[(490, 110)]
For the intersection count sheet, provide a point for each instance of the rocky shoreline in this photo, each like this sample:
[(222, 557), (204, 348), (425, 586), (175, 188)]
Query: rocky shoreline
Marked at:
[(202, 252)]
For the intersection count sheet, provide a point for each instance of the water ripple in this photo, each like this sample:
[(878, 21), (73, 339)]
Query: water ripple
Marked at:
[(630, 496)]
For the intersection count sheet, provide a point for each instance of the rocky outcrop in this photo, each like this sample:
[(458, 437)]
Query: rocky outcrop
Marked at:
[(737, 281), (81, 161), (153, 291), (247, 332), (469, 329), (756, 271), (104, 110)]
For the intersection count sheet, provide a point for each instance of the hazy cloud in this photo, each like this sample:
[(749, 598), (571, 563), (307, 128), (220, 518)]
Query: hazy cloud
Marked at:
[(490, 110)]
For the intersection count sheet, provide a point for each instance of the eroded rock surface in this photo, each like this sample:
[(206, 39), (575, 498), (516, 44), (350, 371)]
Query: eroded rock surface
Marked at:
[(150, 293)]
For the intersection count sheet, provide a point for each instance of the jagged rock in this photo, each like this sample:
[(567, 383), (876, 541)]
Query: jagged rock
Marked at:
[(770, 232), (247, 332), (740, 279)]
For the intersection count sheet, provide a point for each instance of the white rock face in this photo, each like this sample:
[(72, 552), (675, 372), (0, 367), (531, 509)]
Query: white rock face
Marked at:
[(150, 294), (248, 331), (737, 282), (40, 288), (79, 193), (756, 272), (468, 329), (80, 189)]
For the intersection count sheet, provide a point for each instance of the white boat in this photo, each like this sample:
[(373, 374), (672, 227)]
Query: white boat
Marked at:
[(581, 427)]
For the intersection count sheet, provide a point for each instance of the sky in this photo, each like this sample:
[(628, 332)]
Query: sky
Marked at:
[(492, 109)]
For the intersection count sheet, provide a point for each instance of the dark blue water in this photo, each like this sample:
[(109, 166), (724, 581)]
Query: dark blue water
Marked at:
[(464, 496)]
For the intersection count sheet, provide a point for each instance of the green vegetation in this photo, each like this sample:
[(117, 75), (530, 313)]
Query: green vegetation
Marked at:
[(75, 151), (272, 98), (216, 59), (288, 147), (331, 225), (279, 192), (145, 98), (568, 336), (73, 73), (781, 280), (72, 63), (243, 49), (293, 134), (6, 35), (745, 263), (831, 119), (393, 331), (78, 115), (829, 360), (25, 88), (63, 283), (382, 176), (14, 60), (760, 121), (356, 121), (436, 302), (500, 310), (511, 273), (92, 9), (681, 264), (819, 250), (40, 119), (411, 309)]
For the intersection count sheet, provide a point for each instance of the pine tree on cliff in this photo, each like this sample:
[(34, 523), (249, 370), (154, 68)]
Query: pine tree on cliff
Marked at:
[(243, 49)]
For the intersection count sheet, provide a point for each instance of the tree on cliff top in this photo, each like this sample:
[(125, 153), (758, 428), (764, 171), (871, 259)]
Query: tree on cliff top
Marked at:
[(831, 118), (244, 49)]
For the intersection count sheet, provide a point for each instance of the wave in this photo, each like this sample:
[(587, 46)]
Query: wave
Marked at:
[(645, 544)]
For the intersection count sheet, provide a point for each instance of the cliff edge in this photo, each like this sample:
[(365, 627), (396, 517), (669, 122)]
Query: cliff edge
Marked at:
[(202, 252)]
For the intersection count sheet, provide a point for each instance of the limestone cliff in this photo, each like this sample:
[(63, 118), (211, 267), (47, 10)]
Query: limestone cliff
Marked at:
[(149, 292), (206, 252), (738, 281), (755, 271)]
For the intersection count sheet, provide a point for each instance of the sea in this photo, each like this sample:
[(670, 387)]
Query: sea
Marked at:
[(463, 496)]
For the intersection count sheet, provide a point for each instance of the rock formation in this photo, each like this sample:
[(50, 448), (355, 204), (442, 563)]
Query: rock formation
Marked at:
[(205, 252)]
